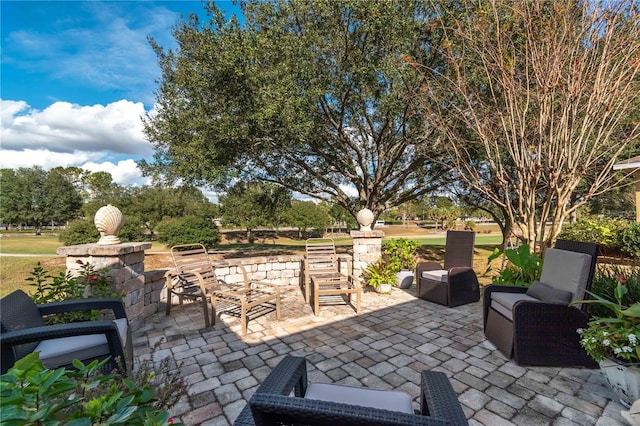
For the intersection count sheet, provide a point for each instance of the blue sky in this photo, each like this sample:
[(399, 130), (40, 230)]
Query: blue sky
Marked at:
[(75, 78)]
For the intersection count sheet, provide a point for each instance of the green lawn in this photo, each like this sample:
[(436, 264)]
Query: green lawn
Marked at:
[(14, 269), (29, 244)]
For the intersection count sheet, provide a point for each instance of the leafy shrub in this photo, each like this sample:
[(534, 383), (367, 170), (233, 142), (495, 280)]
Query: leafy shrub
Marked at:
[(605, 281), (131, 231), (523, 268), (81, 231), (84, 231), (400, 253), (470, 225), (31, 394), (188, 230), (90, 283), (379, 273), (629, 240), (595, 229)]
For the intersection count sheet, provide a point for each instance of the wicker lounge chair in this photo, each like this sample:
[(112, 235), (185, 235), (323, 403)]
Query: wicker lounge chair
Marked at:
[(323, 276), (539, 328), (456, 283), (329, 404), (24, 331), (194, 278)]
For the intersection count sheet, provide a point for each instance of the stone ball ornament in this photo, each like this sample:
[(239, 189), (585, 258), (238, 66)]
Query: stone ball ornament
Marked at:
[(108, 220), (365, 219)]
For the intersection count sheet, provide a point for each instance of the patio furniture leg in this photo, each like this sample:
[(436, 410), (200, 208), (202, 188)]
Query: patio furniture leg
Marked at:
[(213, 309), (358, 306), (244, 319), (205, 302), (278, 305)]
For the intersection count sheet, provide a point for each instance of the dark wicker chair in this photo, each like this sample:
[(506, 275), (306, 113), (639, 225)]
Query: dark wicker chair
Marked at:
[(456, 283), (541, 333), (273, 404), (23, 331)]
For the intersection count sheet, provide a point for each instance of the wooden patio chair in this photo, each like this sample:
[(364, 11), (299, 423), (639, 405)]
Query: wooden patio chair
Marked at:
[(323, 276), (194, 278)]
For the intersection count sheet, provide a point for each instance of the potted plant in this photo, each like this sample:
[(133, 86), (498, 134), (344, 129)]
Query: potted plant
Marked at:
[(614, 342), (401, 256), (381, 276)]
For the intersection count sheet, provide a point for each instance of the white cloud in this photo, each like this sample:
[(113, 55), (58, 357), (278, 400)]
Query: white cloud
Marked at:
[(66, 128), (125, 172), (95, 138)]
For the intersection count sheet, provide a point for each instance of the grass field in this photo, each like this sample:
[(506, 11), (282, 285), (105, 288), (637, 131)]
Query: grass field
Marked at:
[(26, 250)]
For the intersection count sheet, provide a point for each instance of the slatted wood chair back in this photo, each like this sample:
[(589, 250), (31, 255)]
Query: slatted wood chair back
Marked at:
[(192, 263), (321, 257)]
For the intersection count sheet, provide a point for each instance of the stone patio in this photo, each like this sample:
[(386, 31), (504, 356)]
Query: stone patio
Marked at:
[(385, 347)]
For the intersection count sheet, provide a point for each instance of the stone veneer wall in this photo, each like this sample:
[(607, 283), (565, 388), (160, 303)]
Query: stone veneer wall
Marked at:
[(145, 292), (367, 249), (125, 263)]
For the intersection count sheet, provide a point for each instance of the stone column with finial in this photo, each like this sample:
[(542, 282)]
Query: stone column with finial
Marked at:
[(367, 243), (124, 261)]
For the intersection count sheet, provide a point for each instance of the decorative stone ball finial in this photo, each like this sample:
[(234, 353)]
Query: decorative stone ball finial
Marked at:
[(365, 219), (108, 220)]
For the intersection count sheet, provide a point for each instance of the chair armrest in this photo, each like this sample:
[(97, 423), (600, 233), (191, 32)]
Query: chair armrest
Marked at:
[(486, 296), (272, 409), (439, 400), (290, 374), (427, 266), (463, 276), (36, 334), (77, 305), (558, 318)]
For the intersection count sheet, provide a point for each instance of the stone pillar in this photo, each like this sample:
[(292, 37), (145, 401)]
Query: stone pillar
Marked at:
[(125, 262), (367, 249)]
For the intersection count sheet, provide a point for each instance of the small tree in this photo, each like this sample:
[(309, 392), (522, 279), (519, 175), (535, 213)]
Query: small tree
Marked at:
[(537, 102)]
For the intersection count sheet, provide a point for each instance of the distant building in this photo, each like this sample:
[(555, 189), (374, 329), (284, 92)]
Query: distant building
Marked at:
[(632, 163)]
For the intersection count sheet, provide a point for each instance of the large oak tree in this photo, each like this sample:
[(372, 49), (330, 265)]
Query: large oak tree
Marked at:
[(310, 95)]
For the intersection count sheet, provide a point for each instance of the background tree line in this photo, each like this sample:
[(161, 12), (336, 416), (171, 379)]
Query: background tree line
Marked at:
[(70, 197)]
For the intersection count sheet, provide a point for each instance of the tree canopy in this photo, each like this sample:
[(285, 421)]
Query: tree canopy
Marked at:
[(537, 102), (312, 96)]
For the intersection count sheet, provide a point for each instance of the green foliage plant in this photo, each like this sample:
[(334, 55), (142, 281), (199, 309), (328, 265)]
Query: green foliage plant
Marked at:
[(84, 231), (89, 283), (524, 267), (380, 272), (400, 253), (80, 231), (596, 229), (605, 282), (629, 240), (616, 336), (189, 230), (31, 394), (470, 225)]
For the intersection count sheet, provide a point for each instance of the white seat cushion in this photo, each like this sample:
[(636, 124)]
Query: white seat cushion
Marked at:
[(440, 275), (566, 270), (58, 352), (364, 397), (503, 302)]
